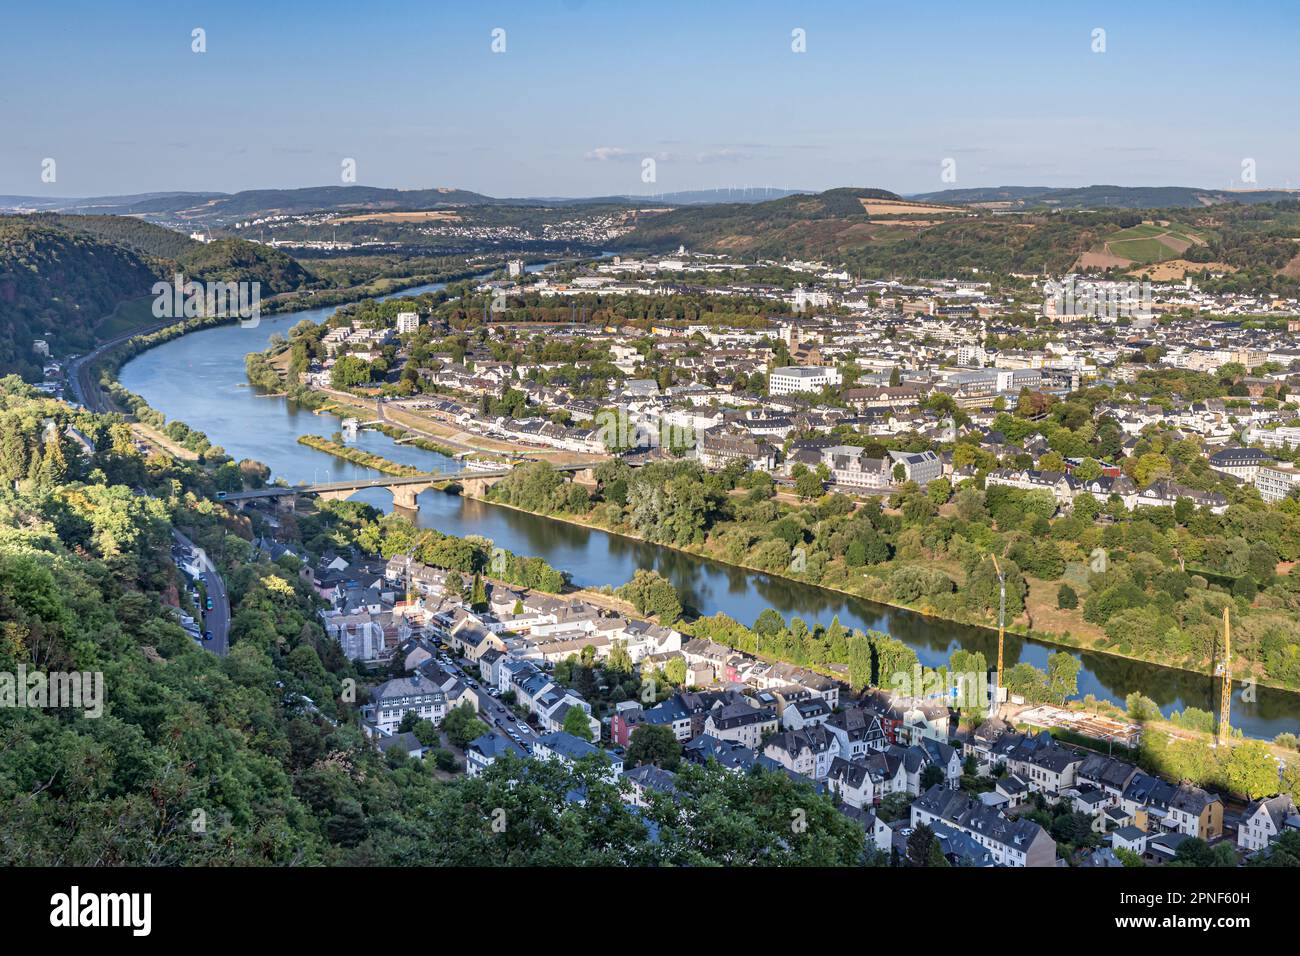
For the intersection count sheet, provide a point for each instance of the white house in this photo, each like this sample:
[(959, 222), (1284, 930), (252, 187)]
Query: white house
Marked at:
[(392, 700), (1263, 821)]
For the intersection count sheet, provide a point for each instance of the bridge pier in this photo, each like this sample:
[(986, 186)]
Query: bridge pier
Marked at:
[(474, 486), (405, 490), (406, 496)]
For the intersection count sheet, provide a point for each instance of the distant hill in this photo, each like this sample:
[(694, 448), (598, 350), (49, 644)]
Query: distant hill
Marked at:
[(313, 198), (237, 260), (61, 276), (1103, 197), (214, 210), (222, 209), (115, 205), (748, 194), (877, 234)]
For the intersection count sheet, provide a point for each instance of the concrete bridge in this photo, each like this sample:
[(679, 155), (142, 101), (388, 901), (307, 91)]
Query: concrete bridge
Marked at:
[(405, 489)]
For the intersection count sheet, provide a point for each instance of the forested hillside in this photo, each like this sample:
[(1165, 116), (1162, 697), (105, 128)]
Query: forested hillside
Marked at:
[(236, 260), (1250, 245), (135, 234), (57, 285), (258, 758), (60, 276)]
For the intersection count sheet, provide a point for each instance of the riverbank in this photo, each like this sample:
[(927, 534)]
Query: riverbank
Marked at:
[(367, 417), (199, 379), (358, 457), (383, 286), (926, 611), (409, 427)]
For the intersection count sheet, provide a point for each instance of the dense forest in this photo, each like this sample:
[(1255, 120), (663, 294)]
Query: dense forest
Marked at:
[(61, 276), (57, 285)]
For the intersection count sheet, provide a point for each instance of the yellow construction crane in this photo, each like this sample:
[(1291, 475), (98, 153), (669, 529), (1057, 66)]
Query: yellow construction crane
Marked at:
[(1223, 671), (1002, 630)]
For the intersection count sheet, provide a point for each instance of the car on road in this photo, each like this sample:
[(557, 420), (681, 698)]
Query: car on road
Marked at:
[(208, 604), (207, 635)]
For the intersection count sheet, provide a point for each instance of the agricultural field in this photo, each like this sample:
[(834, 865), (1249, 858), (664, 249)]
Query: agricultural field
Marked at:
[(1146, 243), (900, 207)]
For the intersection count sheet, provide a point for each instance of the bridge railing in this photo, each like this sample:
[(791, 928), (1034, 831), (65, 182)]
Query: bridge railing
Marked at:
[(273, 491)]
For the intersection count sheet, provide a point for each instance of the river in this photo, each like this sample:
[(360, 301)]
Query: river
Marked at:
[(199, 379)]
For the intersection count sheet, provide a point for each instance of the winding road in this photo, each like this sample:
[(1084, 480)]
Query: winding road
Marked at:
[(83, 387), (216, 620)]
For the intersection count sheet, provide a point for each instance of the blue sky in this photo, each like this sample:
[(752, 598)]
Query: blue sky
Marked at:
[(587, 89)]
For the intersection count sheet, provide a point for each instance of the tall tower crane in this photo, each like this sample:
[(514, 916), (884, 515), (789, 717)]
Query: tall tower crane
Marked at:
[(1223, 670), (1002, 631)]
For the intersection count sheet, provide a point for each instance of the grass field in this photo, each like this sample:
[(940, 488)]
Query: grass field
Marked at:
[(129, 315), (1141, 251), (1147, 243)]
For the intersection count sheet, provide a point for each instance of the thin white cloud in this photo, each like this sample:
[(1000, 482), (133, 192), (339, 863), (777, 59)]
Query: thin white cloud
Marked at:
[(604, 154)]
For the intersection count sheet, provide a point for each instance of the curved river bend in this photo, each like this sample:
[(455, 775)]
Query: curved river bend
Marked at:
[(199, 379)]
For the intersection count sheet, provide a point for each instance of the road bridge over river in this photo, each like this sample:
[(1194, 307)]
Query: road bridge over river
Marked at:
[(405, 489)]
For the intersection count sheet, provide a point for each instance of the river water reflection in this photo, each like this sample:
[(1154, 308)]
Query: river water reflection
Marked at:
[(199, 379)]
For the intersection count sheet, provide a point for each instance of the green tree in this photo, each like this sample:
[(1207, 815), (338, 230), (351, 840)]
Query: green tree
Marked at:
[(349, 371), (654, 744), (808, 486), (463, 725), (652, 594), (1250, 770), (921, 843), (577, 722), (478, 594)]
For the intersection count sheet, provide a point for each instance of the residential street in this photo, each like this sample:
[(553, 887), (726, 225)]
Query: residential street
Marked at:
[(216, 620)]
